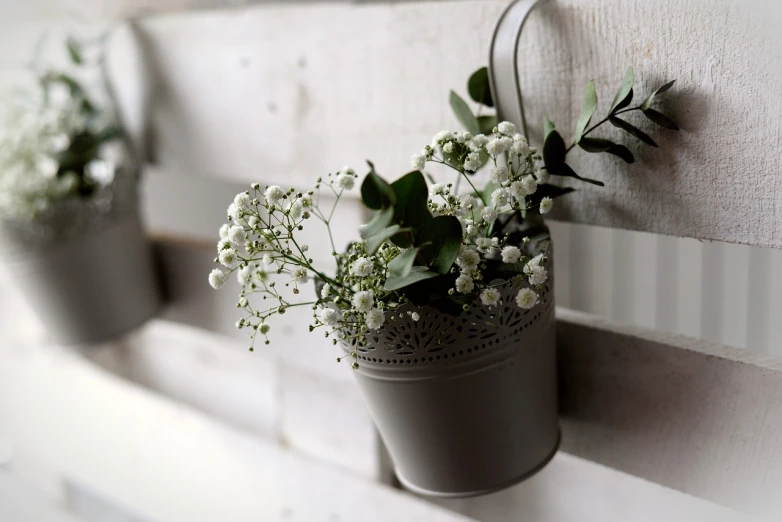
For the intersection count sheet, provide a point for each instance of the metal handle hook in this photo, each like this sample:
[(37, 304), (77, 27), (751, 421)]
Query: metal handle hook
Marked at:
[(503, 63)]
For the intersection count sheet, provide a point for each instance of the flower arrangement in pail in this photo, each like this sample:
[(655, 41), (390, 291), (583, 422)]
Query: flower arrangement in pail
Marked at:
[(70, 235), (444, 302)]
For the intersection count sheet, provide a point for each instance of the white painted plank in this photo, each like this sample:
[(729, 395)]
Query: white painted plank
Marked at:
[(165, 460), (686, 414), (237, 97)]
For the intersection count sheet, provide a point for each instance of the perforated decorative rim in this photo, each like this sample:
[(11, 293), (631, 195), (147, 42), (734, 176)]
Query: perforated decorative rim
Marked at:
[(437, 336)]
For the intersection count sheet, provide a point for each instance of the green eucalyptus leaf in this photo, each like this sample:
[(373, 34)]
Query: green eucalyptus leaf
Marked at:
[(554, 150), (376, 193), (74, 50), (648, 101), (418, 273), (588, 108), (601, 145), (625, 93), (445, 235), (374, 242), (635, 131), (463, 113), (479, 88), (660, 119), (402, 264), (379, 221), (548, 127), (412, 195), (486, 124), (567, 171)]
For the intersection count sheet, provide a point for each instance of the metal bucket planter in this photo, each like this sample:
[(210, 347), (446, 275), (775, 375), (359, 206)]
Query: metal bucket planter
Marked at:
[(466, 405), (90, 287)]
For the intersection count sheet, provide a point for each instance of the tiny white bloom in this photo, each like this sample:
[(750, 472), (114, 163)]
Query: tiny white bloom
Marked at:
[(490, 297), (500, 198), (546, 204), (296, 209), (273, 194), (361, 267), (375, 319), (415, 316), (530, 185), (479, 141), (468, 260), (100, 171), (328, 316), (448, 147), (542, 175), (535, 261), (438, 189), (473, 161), (242, 199), (464, 284), (299, 275), (471, 230), (536, 275), (489, 215), (520, 147), (499, 174), (499, 146), (346, 181), (526, 298), (485, 245), (227, 257), (418, 161), (236, 235), (467, 202), (325, 291), (253, 221), (222, 245), (233, 211), (224, 231), (507, 128), (267, 260), (363, 301), (60, 142), (510, 254), (517, 189), (216, 278)]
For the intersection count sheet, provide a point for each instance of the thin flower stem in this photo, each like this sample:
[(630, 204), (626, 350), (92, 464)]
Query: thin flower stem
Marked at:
[(464, 174)]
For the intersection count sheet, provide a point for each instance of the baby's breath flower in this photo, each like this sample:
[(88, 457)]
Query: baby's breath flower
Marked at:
[(363, 301), (542, 175), (242, 200), (498, 146), (227, 257), (485, 245), (526, 298), (361, 267), (464, 284), (479, 141), (472, 162), (500, 198), (296, 209), (510, 254), (467, 202), (546, 204), (507, 128), (536, 261), (243, 275), (328, 316), (299, 275), (267, 259), (536, 275), (468, 260), (530, 185), (499, 174), (438, 189), (375, 319), (273, 194), (471, 230), (346, 181), (236, 235), (448, 147), (224, 231), (325, 291), (489, 214), (490, 297), (520, 147), (216, 278), (418, 161)]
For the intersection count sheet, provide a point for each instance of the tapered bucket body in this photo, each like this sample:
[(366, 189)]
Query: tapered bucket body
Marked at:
[(466, 405), (92, 287)]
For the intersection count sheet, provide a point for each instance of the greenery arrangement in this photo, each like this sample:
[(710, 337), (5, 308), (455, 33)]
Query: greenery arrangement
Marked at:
[(56, 143), (428, 243)]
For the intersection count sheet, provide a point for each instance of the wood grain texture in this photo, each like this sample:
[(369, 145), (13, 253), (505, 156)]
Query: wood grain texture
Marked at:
[(687, 414), (260, 93)]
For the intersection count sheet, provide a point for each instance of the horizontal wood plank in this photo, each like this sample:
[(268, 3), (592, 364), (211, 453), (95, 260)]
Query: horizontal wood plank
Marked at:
[(285, 93), (697, 417)]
